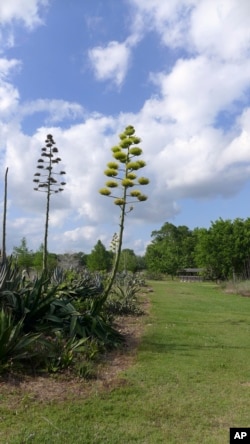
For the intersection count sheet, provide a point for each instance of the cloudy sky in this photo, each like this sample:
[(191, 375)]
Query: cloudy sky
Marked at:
[(82, 70)]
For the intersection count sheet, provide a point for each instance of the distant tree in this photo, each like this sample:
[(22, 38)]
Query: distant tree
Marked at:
[(38, 259), (50, 182), (128, 261), (122, 174), (141, 263), (99, 259), (224, 248), (172, 248), (241, 254), (23, 255), (82, 257)]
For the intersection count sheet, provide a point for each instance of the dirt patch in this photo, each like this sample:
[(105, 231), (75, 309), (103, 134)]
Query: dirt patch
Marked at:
[(19, 390)]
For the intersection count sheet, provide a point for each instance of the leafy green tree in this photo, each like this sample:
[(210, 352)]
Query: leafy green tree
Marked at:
[(241, 253), (23, 255), (214, 249), (141, 263), (128, 261), (38, 259), (50, 182), (172, 248), (224, 249), (99, 259), (122, 180)]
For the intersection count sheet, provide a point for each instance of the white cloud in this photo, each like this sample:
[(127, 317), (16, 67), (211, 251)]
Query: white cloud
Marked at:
[(9, 99), (7, 66), (197, 89), (85, 233), (111, 62), (57, 110), (169, 19), (9, 95), (26, 11), (221, 28), (212, 27)]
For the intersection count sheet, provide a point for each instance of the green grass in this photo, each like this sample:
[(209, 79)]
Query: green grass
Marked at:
[(190, 382)]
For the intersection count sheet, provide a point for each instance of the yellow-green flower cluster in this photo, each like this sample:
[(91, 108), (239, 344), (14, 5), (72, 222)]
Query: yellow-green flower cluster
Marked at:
[(122, 170)]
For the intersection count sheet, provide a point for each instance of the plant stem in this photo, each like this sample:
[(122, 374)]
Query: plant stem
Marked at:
[(45, 247), (120, 238)]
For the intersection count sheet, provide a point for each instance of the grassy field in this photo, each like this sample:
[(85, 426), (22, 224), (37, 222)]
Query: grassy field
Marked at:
[(190, 382)]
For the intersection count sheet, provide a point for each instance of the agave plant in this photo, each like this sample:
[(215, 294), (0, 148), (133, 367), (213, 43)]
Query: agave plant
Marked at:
[(10, 276), (82, 286), (63, 316), (123, 296), (64, 351), (31, 302), (14, 344)]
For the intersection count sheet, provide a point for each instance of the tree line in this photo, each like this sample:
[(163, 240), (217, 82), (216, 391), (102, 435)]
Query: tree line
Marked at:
[(222, 250), (99, 259)]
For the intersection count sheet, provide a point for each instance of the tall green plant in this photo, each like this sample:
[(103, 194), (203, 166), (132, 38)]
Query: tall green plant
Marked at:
[(50, 182), (122, 174)]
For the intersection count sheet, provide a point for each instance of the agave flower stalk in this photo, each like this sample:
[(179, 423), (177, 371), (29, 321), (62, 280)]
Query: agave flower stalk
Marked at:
[(122, 174), (49, 181)]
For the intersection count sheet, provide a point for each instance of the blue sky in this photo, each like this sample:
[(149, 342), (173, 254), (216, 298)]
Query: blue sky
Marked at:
[(178, 71)]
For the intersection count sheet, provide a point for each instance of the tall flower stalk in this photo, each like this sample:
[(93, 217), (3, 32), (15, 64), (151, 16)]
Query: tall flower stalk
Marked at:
[(122, 174), (49, 181)]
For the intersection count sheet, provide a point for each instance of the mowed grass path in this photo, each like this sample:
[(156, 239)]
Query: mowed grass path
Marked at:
[(190, 382)]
